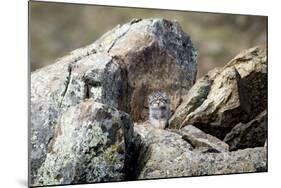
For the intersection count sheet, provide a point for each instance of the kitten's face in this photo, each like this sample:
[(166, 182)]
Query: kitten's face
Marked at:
[(159, 105)]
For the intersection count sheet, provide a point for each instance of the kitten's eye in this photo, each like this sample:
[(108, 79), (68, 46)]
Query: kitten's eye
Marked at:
[(163, 107)]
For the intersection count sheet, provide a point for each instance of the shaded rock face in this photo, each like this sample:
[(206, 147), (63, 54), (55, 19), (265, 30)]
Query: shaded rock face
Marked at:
[(157, 55), (225, 97), (165, 154), (248, 135), (90, 145)]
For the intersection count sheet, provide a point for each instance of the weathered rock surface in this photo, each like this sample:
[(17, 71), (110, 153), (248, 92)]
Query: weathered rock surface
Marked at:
[(202, 141), (198, 164), (90, 145), (57, 87), (248, 135), (44, 110), (158, 149), (166, 154), (225, 97), (120, 69), (157, 55)]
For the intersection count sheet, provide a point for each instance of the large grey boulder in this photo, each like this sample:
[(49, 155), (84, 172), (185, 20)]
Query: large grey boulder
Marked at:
[(57, 87), (91, 143), (120, 69), (227, 96), (156, 55), (248, 135), (165, 154)]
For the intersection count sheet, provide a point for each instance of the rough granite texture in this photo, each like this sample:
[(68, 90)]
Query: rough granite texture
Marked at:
[(90, 145)]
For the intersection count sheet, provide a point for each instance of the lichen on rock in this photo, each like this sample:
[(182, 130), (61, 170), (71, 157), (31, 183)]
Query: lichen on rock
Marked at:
[(89, 146)]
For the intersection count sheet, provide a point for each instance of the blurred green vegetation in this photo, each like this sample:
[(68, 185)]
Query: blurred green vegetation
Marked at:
[(57, 29)]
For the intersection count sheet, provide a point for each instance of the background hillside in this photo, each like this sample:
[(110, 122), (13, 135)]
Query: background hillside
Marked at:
[(56, 29)]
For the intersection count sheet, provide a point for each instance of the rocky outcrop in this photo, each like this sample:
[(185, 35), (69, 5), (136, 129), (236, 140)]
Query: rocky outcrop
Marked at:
[(248, 135), (84, 105), (167, 154), (90, 145), (120, 70), (225, 97)]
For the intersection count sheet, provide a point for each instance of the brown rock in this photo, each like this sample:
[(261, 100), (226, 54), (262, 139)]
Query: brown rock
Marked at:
[(236, 93), (157, 55)]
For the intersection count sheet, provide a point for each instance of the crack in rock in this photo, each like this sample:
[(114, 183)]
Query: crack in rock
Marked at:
[(68, 78), (118, 38)]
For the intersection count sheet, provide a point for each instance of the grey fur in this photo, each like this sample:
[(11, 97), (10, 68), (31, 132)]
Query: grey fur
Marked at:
[(159, 109)]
